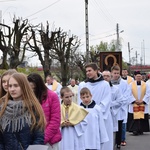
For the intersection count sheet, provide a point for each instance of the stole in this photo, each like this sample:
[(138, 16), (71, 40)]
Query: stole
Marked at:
[(54, 86), (129, 79), (138, 110), (74, 113)]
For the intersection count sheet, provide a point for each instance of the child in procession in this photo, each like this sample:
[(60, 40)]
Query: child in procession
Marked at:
[(73, 122), (96, 133)]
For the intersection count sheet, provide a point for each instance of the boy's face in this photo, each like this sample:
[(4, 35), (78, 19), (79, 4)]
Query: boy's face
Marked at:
[(90, 73), (124, 73), (115, 74), (67, 98), (86, 98)]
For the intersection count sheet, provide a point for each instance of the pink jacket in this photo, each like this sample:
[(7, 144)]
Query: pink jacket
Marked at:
[(51, 108)]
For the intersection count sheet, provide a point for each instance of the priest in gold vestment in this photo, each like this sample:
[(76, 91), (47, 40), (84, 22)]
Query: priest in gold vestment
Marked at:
[(138, 108)]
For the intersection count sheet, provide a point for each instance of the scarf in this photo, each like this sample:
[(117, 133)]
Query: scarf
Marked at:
[(74, 113), (138, 110), (115, 82), (15, 116)]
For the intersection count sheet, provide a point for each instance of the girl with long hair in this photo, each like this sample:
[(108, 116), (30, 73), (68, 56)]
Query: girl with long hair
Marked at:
[(51, 107), (22, 120)]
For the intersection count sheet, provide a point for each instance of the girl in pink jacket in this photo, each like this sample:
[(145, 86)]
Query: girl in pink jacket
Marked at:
[(51, 107)]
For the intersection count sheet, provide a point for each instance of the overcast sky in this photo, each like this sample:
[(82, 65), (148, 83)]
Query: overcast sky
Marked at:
[(133, 17)]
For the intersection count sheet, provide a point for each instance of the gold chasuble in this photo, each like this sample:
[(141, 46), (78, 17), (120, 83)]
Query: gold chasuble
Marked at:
[(74, 113), (54, 86), (129, 79), (138, 110)]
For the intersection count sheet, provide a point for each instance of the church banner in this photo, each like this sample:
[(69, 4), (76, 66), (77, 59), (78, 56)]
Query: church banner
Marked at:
[(109, 59)]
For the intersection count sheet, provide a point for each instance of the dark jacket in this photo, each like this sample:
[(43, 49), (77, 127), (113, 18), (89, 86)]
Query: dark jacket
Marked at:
[(20, 140)]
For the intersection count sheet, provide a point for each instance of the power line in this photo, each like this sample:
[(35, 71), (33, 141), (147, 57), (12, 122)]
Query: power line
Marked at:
[(134, 47), (8, 8), (113, 20), (103, 37), (100, 12), (43, 9), (7, 0), (93, 37), (104, 32), (106, 10), (101, 9), (99, 34)]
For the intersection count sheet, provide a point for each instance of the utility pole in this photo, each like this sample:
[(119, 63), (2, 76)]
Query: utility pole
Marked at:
[(129, 57), (136, 57), (87, 31), (0, 19), (129, 53), (117, 42), (144, 51), (141, 62)]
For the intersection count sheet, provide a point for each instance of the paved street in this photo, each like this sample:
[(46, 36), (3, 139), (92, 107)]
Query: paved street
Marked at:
[(141, 142)]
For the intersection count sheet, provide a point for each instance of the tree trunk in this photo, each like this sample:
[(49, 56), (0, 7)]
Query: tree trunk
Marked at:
[(14, 62), (4, 64), (64, 73)]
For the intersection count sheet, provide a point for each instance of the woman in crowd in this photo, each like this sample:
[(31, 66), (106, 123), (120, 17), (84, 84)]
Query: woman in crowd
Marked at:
[(22, 120), (51, 107), (4, 78)]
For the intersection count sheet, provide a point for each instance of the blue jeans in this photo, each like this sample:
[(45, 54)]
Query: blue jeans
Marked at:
[(123, 138)]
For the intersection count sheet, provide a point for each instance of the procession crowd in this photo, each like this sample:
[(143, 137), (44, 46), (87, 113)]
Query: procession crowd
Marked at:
[(94, 114)]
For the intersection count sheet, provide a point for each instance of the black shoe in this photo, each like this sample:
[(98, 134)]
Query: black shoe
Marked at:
[(135, 133), (140, 132), (118, 146)]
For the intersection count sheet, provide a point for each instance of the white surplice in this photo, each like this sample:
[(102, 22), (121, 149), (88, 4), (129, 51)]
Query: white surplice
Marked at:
[(101, 94), (72, 137), (74, 90), (148, 82), (126, 93), (116, 105), (57, 91), (96, 133)]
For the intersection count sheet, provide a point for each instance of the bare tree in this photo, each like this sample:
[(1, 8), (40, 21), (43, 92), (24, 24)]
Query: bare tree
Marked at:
[(80, 60), (64, 48), (13, 42), (41, 42), (4, 48), (56, 45)]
